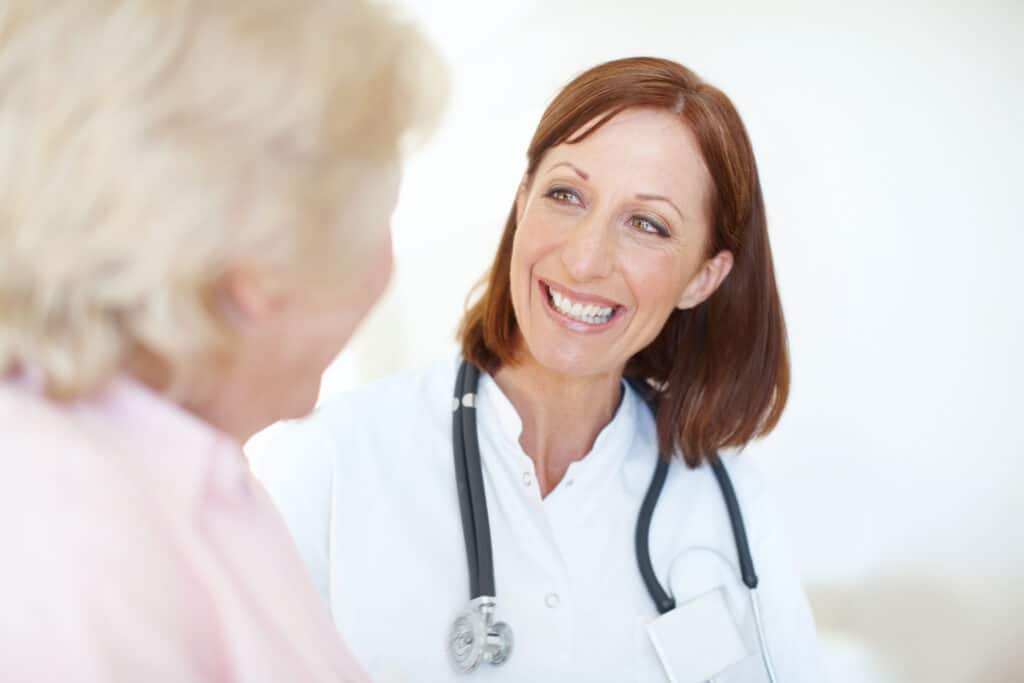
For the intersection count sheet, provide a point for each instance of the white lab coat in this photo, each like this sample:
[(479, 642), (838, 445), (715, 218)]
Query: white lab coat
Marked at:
[(367, 487)]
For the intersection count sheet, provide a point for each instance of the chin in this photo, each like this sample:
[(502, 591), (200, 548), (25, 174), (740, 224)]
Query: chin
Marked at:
[(570, 362)]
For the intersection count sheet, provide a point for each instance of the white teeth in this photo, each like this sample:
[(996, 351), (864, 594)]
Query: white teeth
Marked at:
[(589, 313)]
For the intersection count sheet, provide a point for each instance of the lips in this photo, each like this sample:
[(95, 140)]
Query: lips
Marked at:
[(584, 309)]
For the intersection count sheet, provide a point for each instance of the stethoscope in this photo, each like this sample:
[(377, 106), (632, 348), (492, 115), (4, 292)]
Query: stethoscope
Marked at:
[(475, 636)]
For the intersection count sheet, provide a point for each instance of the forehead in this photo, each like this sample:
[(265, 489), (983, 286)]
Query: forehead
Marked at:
[(641, 151)]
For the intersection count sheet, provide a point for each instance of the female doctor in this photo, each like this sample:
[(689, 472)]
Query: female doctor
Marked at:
[(555, 508)]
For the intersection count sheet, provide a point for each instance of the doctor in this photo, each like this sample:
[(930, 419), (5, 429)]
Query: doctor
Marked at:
[(524, 531)]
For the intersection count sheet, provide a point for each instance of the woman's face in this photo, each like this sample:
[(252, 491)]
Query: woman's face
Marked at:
[(324, 318), (612, 236), (294, 334)]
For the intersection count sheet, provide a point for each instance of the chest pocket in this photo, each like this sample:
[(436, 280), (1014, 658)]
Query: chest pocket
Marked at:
[(710, 635), (698, 640)]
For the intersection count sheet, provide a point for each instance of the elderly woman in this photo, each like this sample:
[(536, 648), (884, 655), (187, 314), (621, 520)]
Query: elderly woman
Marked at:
[(194, 209), (583, 483)]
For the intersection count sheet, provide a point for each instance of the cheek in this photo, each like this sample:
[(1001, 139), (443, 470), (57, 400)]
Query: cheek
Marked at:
[(657, 281), (534, 244), (377, 271), (383, 268), (535, 241), (341, 309)]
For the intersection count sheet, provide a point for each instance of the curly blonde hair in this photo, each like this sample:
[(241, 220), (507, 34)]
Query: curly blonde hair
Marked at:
[(147, 146)]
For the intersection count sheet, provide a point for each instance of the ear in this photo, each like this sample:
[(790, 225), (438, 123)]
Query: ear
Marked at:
[(704, 283), (249, 296)]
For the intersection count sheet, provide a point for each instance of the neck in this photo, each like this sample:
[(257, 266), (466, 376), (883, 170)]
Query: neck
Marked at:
[(216, 403), (219, 409), (562, 415)]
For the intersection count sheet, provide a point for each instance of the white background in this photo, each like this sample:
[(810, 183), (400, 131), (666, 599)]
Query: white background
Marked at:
[(890, 151)]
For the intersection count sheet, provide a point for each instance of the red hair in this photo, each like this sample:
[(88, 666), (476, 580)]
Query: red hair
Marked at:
[(721, 369)]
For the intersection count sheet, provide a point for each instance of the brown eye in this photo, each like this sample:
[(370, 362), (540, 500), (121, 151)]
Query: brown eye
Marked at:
[(563, 195), (648, 226)]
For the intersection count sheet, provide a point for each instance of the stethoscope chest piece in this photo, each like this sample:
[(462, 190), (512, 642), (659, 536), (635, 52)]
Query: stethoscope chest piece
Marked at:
[(475, 637)]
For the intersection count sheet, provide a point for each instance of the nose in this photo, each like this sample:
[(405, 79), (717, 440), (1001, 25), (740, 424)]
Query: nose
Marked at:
[(588, 253)]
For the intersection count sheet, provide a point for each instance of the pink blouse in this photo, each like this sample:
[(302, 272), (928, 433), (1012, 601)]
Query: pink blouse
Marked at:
[(138, 547)]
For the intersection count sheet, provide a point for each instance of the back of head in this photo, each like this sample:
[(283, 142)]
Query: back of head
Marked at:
[(147, 146)]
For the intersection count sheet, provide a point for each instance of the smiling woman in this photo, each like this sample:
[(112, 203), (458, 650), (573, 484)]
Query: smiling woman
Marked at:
[(641, 177), (634, 274), (628, 250)]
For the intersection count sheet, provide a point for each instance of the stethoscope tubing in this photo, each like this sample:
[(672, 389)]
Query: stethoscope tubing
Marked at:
[(462, 484), (469, 477), (739, 531), (662, 600)]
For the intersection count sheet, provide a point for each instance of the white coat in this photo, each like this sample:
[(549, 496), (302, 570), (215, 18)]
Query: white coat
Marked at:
[(367, 487)]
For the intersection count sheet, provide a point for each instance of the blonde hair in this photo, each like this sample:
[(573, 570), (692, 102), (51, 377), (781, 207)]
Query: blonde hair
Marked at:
[(146, 146)]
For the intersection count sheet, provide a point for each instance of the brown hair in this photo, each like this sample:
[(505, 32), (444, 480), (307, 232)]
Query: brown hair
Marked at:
[(721, 369)]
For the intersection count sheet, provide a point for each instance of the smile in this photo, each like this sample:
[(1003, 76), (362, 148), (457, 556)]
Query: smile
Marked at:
[(586, 310)]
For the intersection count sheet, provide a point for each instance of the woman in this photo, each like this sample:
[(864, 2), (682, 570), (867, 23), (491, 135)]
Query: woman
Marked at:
[(194, 207), (631, 310)]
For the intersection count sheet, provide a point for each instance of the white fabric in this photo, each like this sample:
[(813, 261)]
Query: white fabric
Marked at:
[(367, 487)]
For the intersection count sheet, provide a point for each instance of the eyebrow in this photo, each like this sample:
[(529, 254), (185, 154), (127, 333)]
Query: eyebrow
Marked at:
[(580, 173), (649, 197), (659, 198)]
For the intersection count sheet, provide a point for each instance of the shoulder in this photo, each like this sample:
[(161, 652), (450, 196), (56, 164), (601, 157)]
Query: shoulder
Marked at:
[(357, 436), (353, 446), (745, 476), (381, 410), (412, 395), (740, 470), (53, 459), (78, 470), (76, 513)]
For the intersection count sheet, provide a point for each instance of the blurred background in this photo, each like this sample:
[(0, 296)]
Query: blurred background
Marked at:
[(888, 138)]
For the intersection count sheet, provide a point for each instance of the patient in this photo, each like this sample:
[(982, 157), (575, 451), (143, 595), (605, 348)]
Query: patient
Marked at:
[(194, 210)]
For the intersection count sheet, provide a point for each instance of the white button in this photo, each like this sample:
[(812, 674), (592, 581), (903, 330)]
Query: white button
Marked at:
[(568, 482), (552, 600), (527, 479)]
